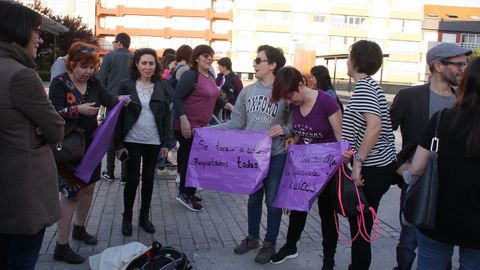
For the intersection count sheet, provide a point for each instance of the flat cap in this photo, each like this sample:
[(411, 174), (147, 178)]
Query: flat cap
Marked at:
[(444, 51)]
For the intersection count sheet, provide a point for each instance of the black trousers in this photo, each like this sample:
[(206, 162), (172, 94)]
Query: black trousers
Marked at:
[(149, 154), (111, 159), (185, 145), (377, 182), (329, 232)]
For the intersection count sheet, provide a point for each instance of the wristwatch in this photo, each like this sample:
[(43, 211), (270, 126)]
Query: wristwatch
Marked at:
[(359, 159)]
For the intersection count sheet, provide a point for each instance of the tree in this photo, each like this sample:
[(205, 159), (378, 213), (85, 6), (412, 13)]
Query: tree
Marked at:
[(77, 30), (475, 53)]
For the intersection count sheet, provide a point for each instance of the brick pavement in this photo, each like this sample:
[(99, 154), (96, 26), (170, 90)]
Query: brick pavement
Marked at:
[(208, 237)]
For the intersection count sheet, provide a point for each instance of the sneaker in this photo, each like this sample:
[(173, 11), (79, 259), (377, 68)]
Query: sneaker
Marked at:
[(247, 244), (265, 254), (189, 203), (284, 254), (107, 176), (196, 198)]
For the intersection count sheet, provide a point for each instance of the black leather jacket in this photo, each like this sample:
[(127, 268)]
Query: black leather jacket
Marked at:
[(159, 104)]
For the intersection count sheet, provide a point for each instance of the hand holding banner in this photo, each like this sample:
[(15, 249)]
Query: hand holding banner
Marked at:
[(307, 171), (234, 161)]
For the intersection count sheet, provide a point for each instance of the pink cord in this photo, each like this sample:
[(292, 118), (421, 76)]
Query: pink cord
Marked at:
[(362, 229)]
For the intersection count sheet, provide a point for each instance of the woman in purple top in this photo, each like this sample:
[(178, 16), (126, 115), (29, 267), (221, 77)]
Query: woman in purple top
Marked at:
[(195, 97), (316, 118)]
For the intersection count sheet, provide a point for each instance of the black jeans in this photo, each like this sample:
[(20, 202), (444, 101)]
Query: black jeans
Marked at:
[(329, 231), (149, 154), (110, 167), (20, 251), (182, 162), (377, 182)]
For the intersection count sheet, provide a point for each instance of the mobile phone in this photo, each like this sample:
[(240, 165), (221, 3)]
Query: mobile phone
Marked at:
[(123, 156)]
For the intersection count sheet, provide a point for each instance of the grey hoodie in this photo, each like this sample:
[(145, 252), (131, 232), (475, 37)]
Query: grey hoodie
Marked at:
[(253, 111)]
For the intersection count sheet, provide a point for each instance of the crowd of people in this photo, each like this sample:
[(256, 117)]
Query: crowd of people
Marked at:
[(162, 111)]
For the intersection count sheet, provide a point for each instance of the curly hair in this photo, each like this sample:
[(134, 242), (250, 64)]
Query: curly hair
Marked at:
[(366, 57)]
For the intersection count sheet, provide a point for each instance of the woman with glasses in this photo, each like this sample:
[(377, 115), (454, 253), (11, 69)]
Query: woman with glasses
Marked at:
[(77, 96), (195, 97), (143, 131), (28, 123), (316, 118)]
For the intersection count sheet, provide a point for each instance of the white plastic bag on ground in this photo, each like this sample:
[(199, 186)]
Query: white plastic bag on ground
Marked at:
[(118, 257)]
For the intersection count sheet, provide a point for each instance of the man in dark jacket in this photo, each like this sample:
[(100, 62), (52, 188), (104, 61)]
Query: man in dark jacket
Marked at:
[(411, 110), (113, 70)]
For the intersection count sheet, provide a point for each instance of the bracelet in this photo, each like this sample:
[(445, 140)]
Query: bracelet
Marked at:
[(359, 159)]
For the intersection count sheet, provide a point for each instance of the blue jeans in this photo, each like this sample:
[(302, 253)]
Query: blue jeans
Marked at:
[(270, 188), (406, 247), (436, 255), (20, 251)]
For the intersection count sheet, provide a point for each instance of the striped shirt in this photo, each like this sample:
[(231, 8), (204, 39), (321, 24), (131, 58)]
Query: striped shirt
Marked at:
[(368, 97)]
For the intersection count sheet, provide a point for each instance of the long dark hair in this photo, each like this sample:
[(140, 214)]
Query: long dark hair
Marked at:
[(322, 76), (135, 74), (468, 105)]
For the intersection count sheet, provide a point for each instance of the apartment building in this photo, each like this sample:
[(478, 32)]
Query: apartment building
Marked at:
[(161, 24), (449, 24)]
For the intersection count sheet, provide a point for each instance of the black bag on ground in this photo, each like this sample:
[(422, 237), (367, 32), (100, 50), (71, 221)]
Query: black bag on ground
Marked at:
[(161, 258)]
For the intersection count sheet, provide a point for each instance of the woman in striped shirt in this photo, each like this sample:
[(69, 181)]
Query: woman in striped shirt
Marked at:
[(367, 126)]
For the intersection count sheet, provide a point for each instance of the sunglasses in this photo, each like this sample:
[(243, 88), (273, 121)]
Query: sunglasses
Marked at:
[(259, 60), (84, 49)]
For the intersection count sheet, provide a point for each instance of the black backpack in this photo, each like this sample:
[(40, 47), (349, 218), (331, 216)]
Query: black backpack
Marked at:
[(160, 258)]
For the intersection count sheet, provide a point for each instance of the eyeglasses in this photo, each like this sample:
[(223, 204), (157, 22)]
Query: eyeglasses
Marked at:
[(460, 65), (259, 60), (207, 55), (38, 31), (84, 49)]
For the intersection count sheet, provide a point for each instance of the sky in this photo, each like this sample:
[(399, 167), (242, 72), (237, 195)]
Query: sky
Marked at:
[(467, 3)]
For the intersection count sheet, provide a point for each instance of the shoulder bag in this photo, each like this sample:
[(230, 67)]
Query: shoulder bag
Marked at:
[(420, 203)]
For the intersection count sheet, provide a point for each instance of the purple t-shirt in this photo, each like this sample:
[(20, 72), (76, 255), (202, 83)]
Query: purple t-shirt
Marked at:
[(315, 127), (198, 107)]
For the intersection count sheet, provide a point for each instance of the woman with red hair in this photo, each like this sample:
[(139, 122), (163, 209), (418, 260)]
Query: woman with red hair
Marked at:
[(77, 96)]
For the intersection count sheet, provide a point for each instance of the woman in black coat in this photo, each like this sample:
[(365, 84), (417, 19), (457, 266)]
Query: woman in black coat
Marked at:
[(143, 131)]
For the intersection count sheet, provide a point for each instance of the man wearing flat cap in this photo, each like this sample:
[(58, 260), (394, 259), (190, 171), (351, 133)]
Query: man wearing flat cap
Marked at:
[(411, 110)]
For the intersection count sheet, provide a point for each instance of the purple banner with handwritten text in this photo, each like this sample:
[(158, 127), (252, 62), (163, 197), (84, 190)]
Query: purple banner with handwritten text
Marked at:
[(234, 161), (308, 169)]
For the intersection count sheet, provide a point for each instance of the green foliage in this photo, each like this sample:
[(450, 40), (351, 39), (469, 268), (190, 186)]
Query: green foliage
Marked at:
[(475, 53), (52, 48)]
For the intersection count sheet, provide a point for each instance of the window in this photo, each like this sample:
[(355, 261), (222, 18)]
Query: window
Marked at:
[(345, 21), (471, 41), (319, 18), (403, 47), (406, 26)]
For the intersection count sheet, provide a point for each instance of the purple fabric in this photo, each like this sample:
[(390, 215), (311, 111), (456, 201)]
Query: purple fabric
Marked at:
[(234, 161), (315, 127), (307, 171), (99, 146)]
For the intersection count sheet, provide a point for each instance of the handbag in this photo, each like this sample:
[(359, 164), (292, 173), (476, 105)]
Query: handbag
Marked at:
[(420, 203), (72, 147)]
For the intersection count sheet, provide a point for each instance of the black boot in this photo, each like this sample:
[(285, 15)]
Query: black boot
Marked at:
[(145, 223), (79, 233), (64, 253), (127, 225)]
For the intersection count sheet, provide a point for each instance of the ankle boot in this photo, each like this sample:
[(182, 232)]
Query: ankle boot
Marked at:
[(64, 253), (79, 233), (127, 225), (145, 223)]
